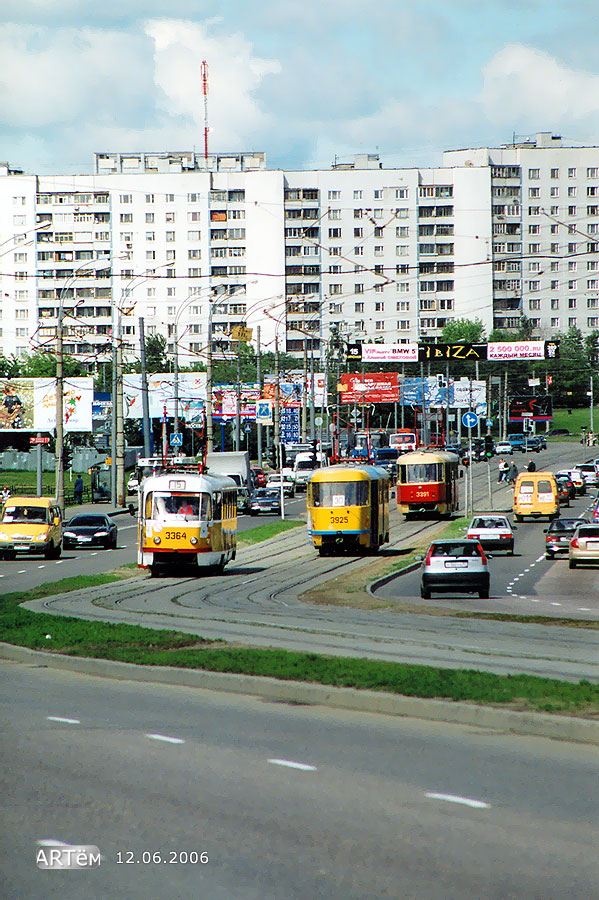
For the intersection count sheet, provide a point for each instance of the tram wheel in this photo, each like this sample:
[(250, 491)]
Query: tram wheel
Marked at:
[(154, 571)]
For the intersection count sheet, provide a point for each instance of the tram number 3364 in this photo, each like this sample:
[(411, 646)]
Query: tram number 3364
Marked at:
[(175, 535)]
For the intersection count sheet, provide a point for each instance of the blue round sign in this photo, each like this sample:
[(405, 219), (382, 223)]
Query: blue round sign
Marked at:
[(469, 420)]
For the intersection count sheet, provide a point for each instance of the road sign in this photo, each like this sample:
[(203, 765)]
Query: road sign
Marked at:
[(264, 410), (39, 440), (176, 440), (489, 423), (241, 333), (469, 420)]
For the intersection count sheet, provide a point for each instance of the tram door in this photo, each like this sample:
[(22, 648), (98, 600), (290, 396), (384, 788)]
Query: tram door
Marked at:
[(374, 514)]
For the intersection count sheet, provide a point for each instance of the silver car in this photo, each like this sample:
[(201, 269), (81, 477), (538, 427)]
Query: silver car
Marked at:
[(584, 546), (456, 565)]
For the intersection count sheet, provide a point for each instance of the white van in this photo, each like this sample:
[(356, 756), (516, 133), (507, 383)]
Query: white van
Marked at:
[(304, 466)]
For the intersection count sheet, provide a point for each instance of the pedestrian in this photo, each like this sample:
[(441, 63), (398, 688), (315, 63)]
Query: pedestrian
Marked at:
[(503, 470), (512, 473), (4, 495), (532, 466), (78, 490)]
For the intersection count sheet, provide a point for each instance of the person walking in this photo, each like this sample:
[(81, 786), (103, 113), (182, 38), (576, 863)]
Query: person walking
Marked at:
[(78, 490), (503, 470), (532, 466), (512, 473)]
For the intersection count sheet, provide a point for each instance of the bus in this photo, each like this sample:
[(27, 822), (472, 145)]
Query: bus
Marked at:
[(348, 509), (186, 521), (427, 482), (404, 439)]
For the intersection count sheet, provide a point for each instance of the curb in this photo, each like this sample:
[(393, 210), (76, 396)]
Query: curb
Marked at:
[(385, 579), (564, 728)]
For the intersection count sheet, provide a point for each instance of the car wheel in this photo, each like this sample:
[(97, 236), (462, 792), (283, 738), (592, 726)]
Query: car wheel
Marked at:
[(511, 550), (49, 552), (425, 593), (572, 564), (484, 595)]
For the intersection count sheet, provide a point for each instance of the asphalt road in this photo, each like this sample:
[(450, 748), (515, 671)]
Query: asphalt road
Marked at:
[(288, 802)]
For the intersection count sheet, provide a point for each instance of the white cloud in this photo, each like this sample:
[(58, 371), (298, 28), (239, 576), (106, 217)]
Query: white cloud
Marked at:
[(522, 84), (234, 76)]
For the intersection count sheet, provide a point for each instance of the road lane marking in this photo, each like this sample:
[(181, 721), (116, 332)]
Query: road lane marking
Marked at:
[(63, 720), (465, 801), (303, 767), (22, 572), (555, 604), (60, 561), (42, 567), (540, 558), (166, 738), (584, 609)]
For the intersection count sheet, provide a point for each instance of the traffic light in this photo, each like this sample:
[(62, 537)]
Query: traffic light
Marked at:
[(488, 446), (67, 458)]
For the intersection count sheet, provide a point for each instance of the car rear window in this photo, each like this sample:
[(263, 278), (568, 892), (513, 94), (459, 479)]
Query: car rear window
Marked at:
[(459, 548), (544, 487), (588, 531)]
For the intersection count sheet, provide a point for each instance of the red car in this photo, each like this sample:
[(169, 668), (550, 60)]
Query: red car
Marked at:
[(259, 476)]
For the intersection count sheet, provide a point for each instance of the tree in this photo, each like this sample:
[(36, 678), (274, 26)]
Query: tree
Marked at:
[(463, 330), (156, 356)]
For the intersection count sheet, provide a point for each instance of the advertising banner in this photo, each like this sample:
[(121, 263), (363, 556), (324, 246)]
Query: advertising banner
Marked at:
[(510, 350), (224, 400), (161, 393), (390, 353), (29, 404), (533, 409), (372, 387), (452, 351), (463, 394), (291, 389)]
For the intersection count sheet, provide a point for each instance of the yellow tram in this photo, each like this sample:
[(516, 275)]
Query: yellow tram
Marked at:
[(348, 509), (186, 520)]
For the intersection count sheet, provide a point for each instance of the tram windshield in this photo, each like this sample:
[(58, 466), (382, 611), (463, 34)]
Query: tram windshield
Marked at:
[(340, 493), (421, 473), (181, 507)]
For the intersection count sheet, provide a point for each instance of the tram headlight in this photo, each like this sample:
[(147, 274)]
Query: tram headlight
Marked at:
[(156, 540), (193, 541)]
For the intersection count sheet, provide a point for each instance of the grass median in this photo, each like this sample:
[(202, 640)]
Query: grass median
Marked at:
[(267, 531), (147, 646)]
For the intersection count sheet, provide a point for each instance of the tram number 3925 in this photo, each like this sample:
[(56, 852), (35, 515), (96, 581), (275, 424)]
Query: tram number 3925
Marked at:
[(339, 520)]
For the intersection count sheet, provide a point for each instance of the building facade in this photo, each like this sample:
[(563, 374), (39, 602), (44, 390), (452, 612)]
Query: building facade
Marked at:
[(359, 251)]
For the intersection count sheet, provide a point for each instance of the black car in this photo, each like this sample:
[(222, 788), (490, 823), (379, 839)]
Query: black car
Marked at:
[(265, 501), (563, 490), (559, 534), (85, 530)]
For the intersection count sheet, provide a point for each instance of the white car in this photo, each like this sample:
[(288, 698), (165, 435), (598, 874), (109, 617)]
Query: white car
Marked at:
[(132, 484), (274, 483), (493, 532), (504, 448), (459, 566), (588, 472)]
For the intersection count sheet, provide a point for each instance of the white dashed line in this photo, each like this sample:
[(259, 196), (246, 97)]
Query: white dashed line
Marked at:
[(465, 801), (584, 609), (61, 561), (555, 604), (42, 567), (164, 737), (22, 572), (63, 720), (303, 767)]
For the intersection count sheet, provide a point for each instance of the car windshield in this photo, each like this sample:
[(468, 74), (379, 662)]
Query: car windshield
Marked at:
[(92, 521), (490, 523), (564, 525), (457, 548), (26, 515)]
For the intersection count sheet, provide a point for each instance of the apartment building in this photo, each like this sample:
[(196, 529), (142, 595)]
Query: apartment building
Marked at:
[(368, 253), (545, 214)]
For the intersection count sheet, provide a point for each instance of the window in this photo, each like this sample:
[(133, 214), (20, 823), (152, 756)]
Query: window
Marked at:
[(334, 232), (403, 325), (193, 216), (554, 303), (194, 254), (534, 173), (358, 251), (358, 307), (555, 173), (334, 195), (534, 304), (593, 321), (572, 303), (534, 193), (150, 254), (555, 323), (571, 210), (554, 192), (534, 285), (358, 232), (358, 288), (379, 325), (126, 217), (169, 217), (592, 172), (191, 235), (334, 288), (170, 236), (126, 198), (534, 229), (149, 218), (357, 213), (572, 173), (357, 195), (378, 195), (572, 322), (334, 214)]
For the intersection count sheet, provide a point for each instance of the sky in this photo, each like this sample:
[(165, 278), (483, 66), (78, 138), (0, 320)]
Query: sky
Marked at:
[(305, 81)]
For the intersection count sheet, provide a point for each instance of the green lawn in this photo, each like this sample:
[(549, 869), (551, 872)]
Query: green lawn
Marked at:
[(573, 421)]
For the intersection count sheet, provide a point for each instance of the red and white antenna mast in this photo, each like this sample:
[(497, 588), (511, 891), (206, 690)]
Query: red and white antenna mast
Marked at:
[(205, 93)]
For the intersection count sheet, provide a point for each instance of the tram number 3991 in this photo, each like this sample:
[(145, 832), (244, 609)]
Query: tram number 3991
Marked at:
[(339, 520)]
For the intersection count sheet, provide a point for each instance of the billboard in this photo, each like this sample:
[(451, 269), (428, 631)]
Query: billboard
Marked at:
[(462, 394), (29, 404), (511, 350), (453, 351), (291, 388), (372, 387), (224, 400), (161, 393), (389, 353), (533, 409)]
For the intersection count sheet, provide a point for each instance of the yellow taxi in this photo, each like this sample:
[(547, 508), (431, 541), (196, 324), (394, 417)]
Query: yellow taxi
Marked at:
[(30, 525)]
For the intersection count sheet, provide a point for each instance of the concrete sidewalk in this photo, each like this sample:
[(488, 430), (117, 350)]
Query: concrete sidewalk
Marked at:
[(97, 508)]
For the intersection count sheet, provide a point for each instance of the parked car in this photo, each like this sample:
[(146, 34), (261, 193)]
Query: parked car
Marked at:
[(588, 472), (259, 476), (492, 532), (455, 448), (503, 448), (455, 565), (576, 478), (87, 529), (559, 534), (563, 489), (533, 444), (555, 432), (265, 501), (132, 483), (274, 483), (584, 546)]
